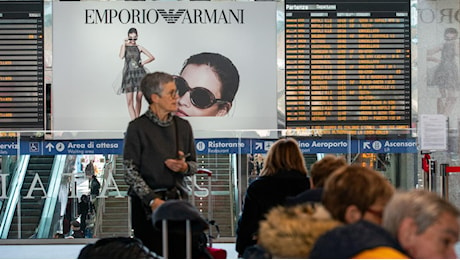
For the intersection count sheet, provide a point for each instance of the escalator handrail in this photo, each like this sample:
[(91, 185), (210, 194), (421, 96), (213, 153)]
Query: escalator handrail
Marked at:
[(49, 207), (108, 167), (14, 192), (6, 164)]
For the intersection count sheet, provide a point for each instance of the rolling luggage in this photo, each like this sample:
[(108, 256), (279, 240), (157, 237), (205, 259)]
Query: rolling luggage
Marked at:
[(182, 230)]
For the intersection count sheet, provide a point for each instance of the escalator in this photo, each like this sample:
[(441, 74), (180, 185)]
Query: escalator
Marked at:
[(114, 218), (8, 164), (32, 198)]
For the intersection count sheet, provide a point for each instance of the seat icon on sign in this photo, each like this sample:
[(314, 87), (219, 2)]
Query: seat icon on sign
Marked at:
[(60, 147)]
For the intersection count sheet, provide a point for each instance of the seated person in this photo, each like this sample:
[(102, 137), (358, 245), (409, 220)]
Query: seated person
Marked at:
[(294, 238), (319, 172), (116, 248), (356, 196), (425, 224), (75, 231), (284, 174)]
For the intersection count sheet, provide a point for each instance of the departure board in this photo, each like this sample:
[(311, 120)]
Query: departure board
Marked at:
[(21, 66), (347, 65)]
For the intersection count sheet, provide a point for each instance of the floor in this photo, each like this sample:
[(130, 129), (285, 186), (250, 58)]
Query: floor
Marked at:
[(70, 251)]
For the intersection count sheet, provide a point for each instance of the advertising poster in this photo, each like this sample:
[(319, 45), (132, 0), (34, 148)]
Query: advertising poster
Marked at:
[(96, 45), (438, 64), (438, 58)]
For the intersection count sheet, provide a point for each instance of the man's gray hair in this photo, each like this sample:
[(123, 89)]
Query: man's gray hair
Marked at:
[(152, 83), (423, 206)]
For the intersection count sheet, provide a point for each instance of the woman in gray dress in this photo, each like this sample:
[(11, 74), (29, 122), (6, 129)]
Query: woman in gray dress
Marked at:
[(133, 72), (446, 73)]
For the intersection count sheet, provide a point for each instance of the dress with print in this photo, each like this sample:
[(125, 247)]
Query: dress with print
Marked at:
[(133, 71), (446, 73)]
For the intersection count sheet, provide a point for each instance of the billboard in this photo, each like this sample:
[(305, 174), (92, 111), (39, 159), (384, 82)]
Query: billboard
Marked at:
[(89, 62)]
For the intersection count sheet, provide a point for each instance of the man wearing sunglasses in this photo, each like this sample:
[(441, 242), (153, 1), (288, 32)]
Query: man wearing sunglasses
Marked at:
[(207, 85), (159, 150)]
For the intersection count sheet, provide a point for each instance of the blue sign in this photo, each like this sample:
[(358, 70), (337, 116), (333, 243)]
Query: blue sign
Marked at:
[(222, 146), (387, 146), (212, 146), (308, 146), (105, 146), (9, 148), (324, 146)]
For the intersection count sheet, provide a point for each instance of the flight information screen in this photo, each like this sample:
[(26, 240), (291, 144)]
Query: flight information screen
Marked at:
[(348, 65), (21, 66)]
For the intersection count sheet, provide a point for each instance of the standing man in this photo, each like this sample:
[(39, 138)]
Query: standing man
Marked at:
[(89, 169), (159, 150), (94, 187)]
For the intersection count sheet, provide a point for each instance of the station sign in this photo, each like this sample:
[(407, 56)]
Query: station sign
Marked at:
[(104, 146), (211, 146)]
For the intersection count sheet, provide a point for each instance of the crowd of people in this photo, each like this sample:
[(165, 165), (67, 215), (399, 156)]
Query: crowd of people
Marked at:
[(350, 211), (338, 210)]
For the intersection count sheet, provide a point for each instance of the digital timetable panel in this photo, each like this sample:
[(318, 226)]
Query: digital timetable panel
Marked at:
[(21, 66), (348, 65)]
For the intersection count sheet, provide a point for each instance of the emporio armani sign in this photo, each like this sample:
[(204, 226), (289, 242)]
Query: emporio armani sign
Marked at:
[(170, 16)]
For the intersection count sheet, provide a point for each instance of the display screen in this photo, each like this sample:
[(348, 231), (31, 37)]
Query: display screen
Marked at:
[(348, 65), (21, 66)]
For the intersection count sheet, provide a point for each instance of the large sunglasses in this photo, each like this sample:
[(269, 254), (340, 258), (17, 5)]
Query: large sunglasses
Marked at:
[(199, 97)]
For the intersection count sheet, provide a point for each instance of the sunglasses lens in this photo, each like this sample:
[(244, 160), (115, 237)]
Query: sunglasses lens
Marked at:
[(181, 85), (201, 97)]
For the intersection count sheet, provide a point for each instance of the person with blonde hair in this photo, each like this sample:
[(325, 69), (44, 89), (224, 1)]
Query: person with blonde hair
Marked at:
[(284, 174)]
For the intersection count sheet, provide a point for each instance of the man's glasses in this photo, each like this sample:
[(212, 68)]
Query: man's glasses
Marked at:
[(132, 39), (199, 97)]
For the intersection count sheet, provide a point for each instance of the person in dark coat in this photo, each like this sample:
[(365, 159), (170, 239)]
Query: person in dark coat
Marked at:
[(117, 248), (284, 174), (319, 172), (356, 196), (350, 240), (158, 153), (85, 207), (75, 231), (94, 187), (90, 169)]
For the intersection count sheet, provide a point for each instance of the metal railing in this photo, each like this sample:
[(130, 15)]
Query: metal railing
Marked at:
[(100, 203)]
